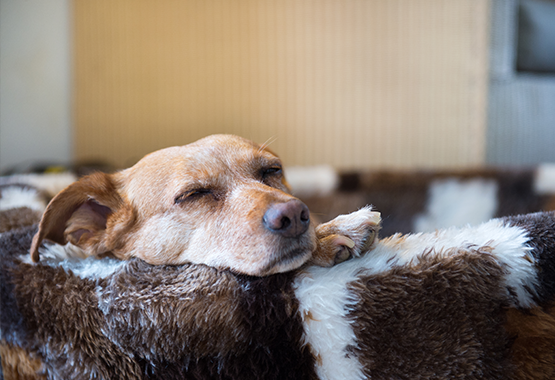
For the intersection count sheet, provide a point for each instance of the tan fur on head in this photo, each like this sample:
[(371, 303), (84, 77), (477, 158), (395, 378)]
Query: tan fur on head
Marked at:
[(205, 202)]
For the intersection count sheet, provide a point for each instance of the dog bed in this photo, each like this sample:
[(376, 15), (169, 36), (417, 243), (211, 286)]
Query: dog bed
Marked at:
[(472, 303)]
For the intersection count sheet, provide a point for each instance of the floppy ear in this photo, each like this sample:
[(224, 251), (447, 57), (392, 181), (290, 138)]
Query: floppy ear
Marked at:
[(80, 214)]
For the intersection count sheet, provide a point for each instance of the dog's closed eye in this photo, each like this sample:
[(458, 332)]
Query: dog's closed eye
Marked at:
[(271, 172), (193, 194)]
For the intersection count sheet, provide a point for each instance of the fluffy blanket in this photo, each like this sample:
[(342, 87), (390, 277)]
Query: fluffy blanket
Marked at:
[(472, 303), (425, 200)]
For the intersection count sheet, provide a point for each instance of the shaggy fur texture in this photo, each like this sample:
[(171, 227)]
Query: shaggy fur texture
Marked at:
[(472, 303), (20, 206), (415, 303), (440, 305), (147, 321), (541, 227), (16, 218)]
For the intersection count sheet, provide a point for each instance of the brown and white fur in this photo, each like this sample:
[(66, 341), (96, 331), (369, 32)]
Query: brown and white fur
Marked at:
[(222, 201), (472, 303)]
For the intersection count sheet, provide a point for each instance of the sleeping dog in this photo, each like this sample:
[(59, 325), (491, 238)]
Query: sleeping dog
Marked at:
[(222, 201)]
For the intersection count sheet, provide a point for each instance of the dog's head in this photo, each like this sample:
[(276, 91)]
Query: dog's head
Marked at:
[(221, 201)]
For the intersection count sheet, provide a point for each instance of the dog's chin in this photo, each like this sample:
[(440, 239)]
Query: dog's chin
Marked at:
[(278, 263), (285, 260)]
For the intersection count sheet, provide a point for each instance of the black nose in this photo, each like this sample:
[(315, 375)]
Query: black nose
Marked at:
[(289, 219)]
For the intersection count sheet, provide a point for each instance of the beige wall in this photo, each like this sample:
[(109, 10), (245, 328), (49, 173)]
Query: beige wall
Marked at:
[(351, 83), (35, 121)]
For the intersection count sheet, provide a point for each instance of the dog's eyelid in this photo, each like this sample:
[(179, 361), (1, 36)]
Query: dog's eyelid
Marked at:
[(272, 170), (192, 193)]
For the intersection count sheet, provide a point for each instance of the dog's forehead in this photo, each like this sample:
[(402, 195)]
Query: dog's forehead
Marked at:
[(212, 154), (167, 170), (216, 150)]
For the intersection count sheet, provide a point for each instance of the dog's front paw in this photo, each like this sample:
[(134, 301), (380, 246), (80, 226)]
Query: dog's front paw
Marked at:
[(346, 236)]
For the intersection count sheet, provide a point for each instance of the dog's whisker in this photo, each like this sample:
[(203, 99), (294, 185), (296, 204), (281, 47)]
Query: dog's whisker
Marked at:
[(267, 143)]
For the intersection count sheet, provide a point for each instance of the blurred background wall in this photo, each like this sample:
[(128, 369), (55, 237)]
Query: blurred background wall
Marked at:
[(35, 82), (350, 83)]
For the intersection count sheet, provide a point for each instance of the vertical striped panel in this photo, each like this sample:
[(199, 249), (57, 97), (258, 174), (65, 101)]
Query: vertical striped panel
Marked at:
[(350, 83)]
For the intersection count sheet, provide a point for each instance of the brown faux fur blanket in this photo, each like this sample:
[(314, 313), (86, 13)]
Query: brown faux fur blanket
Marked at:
[(472, 303), (146, 321)]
